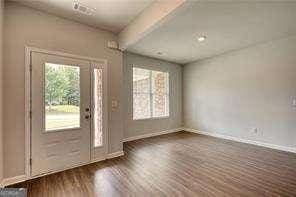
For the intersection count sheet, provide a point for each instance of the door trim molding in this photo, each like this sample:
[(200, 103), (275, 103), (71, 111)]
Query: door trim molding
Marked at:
[(28, 52)]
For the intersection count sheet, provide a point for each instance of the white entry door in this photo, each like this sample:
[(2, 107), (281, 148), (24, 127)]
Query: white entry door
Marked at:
[(67, 104)]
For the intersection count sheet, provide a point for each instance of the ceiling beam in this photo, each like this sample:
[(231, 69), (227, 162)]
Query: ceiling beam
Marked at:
[(151, 18)]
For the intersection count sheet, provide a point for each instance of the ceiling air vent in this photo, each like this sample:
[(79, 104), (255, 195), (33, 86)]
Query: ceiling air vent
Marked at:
[(82, 8)]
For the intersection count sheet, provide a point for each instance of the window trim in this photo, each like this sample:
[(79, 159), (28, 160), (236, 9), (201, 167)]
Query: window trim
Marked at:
[(150, 68)]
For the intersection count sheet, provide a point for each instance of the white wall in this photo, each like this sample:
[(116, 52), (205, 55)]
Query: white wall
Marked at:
[(1, 89), (253, 87), (134, 128), (24, 26)]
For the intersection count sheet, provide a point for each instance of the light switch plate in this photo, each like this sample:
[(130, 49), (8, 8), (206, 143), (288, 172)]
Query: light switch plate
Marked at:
[(114, 103), (294, 103)]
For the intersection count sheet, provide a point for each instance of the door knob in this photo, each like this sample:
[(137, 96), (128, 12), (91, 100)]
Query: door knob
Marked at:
[(87, 117)]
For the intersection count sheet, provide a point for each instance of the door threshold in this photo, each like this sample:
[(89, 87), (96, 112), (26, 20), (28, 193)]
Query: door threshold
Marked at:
[(18, 179)]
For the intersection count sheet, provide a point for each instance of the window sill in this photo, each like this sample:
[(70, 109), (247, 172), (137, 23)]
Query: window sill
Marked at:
[(156, 118)]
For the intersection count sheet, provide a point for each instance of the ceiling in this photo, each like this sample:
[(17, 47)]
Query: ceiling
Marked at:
[(112, 15), (227, 26)]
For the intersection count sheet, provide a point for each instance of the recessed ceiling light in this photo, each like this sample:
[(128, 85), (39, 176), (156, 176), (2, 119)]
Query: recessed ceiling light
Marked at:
[(201, 38)]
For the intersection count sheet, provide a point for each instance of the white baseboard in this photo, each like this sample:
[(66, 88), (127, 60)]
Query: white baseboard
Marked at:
[(273, 146), (151, 134), (115, 154), (21, 178), (108, 156), (13, 180)]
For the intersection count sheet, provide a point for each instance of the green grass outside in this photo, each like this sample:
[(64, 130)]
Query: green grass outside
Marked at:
[(62, 124), (63, 109), (58, 117)]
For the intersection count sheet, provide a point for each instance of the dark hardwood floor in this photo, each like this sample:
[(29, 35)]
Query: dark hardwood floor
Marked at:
[(179, 164)]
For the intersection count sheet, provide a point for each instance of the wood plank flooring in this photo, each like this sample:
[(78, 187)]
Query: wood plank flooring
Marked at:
[(179, 164)]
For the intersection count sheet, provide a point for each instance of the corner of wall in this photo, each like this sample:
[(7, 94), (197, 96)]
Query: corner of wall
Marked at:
[(182, 97), (1, 73)]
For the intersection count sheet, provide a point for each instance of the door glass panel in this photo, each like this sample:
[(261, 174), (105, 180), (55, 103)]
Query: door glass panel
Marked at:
[(62, 97), (98, 107)]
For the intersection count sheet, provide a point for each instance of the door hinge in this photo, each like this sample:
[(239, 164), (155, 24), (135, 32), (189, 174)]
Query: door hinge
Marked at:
[(30, 161), (31, 67), (30, 114)]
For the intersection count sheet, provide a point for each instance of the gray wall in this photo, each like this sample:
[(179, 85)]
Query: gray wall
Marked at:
[(25, 26), (253, 87), (134, 128), (1, 88)]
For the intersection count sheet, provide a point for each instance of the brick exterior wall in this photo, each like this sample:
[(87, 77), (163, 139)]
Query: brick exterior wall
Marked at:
[(141, 100)]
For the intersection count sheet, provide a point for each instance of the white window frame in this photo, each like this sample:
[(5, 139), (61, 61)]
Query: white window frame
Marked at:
[(151, 94)]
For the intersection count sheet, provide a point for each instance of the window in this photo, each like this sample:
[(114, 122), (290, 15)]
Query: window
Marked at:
[(62, 97), (150, 94), (98, 107)]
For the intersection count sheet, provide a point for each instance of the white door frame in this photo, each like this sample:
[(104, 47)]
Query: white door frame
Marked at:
[(28, 51)]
